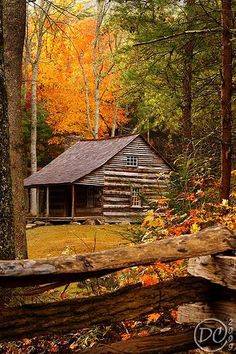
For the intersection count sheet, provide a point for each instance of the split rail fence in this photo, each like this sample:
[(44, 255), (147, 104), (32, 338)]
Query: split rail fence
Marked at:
[(208, 291)]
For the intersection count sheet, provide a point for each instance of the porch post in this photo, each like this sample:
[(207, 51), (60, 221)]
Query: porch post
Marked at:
[(47, 201), (73, 201), (37, 201)]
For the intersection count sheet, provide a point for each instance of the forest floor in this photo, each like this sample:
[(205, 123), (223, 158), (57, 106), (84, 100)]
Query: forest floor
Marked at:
[(59, 240)]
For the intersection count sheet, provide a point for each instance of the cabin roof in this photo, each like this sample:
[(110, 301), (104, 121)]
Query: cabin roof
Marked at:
[(79, 160)]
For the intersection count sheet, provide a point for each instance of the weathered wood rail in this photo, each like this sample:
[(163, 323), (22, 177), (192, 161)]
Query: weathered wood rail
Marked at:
[(30, 272), (210, 289)]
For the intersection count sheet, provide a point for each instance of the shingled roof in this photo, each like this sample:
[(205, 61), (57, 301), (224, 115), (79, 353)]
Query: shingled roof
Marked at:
[(78, 161)]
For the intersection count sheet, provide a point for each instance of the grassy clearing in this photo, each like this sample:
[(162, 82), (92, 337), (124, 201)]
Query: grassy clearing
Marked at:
[(50, 241)]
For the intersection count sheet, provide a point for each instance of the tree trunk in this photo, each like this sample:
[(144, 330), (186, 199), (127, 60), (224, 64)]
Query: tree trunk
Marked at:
[(114, 123), (26, 60), (86, 89), (187, 84), (33, 145), (226, 98), (97, 107), (14, 13), (7, 240)]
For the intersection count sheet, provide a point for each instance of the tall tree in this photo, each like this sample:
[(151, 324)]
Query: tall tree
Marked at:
[(187, 79), (14, 13), (7, 241), (34, 46), (226, 97)]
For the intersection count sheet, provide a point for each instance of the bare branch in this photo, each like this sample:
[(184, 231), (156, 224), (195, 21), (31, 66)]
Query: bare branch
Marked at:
[(174, 35)]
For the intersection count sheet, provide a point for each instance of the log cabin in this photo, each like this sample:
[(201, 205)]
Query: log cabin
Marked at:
[(112, 179)]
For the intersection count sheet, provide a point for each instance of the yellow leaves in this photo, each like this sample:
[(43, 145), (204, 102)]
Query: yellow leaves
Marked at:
[(152, 220), (233, 173), (194, 228), (225, 202)]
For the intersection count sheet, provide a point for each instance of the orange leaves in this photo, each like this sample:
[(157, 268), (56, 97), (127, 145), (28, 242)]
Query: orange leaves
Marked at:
[(143, 333), (67, 81), (149, 279), (153, 317), (174, 314), (126, 336)]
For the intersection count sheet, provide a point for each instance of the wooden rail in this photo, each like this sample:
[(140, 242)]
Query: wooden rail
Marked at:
[(204, 288), (127, 303), (30, 272)]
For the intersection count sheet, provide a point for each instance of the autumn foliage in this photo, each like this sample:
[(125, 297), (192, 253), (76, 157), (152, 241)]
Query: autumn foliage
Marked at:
[(67, 78)]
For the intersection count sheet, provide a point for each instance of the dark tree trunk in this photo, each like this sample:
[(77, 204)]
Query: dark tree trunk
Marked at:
[(7, 249), (187, 84), (226, 97), (14, 14)]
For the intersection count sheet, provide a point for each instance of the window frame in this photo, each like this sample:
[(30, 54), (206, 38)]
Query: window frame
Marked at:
[(131, 161), (135, 200)]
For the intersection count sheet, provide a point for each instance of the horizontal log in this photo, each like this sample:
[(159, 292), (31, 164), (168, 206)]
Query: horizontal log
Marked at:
[(26, 272), (127, 303), (219, 269), (223, 310), (138, 211), (154, 181), (159, 343), (116, 185), (130, 174), (117, 206), (126, 176), (111, 192), (116, 199)]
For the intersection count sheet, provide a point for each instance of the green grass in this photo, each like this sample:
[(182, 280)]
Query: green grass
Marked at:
[(51, 241)]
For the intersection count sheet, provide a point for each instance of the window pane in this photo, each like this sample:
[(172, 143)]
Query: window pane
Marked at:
[(135, 197), (132, 160)]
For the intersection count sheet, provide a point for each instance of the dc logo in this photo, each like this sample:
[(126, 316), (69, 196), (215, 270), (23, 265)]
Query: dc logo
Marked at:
[(213, 332)]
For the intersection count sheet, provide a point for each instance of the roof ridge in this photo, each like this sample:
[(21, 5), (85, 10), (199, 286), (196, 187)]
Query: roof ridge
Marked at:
[(107, 138)]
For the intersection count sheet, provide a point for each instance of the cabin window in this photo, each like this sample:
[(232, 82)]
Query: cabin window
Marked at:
[(135, 197), (132, 161)]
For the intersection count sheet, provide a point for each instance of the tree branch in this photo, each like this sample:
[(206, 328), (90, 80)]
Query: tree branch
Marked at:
[(174, 35)]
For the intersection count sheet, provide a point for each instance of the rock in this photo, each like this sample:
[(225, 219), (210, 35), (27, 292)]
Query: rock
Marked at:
[(30, 226), (39, 223), (90, 222)]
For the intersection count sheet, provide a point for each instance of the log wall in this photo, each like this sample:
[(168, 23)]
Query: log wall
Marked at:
[(150, 176)]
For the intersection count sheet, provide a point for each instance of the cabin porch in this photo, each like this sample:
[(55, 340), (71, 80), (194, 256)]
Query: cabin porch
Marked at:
[(68, 202)]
